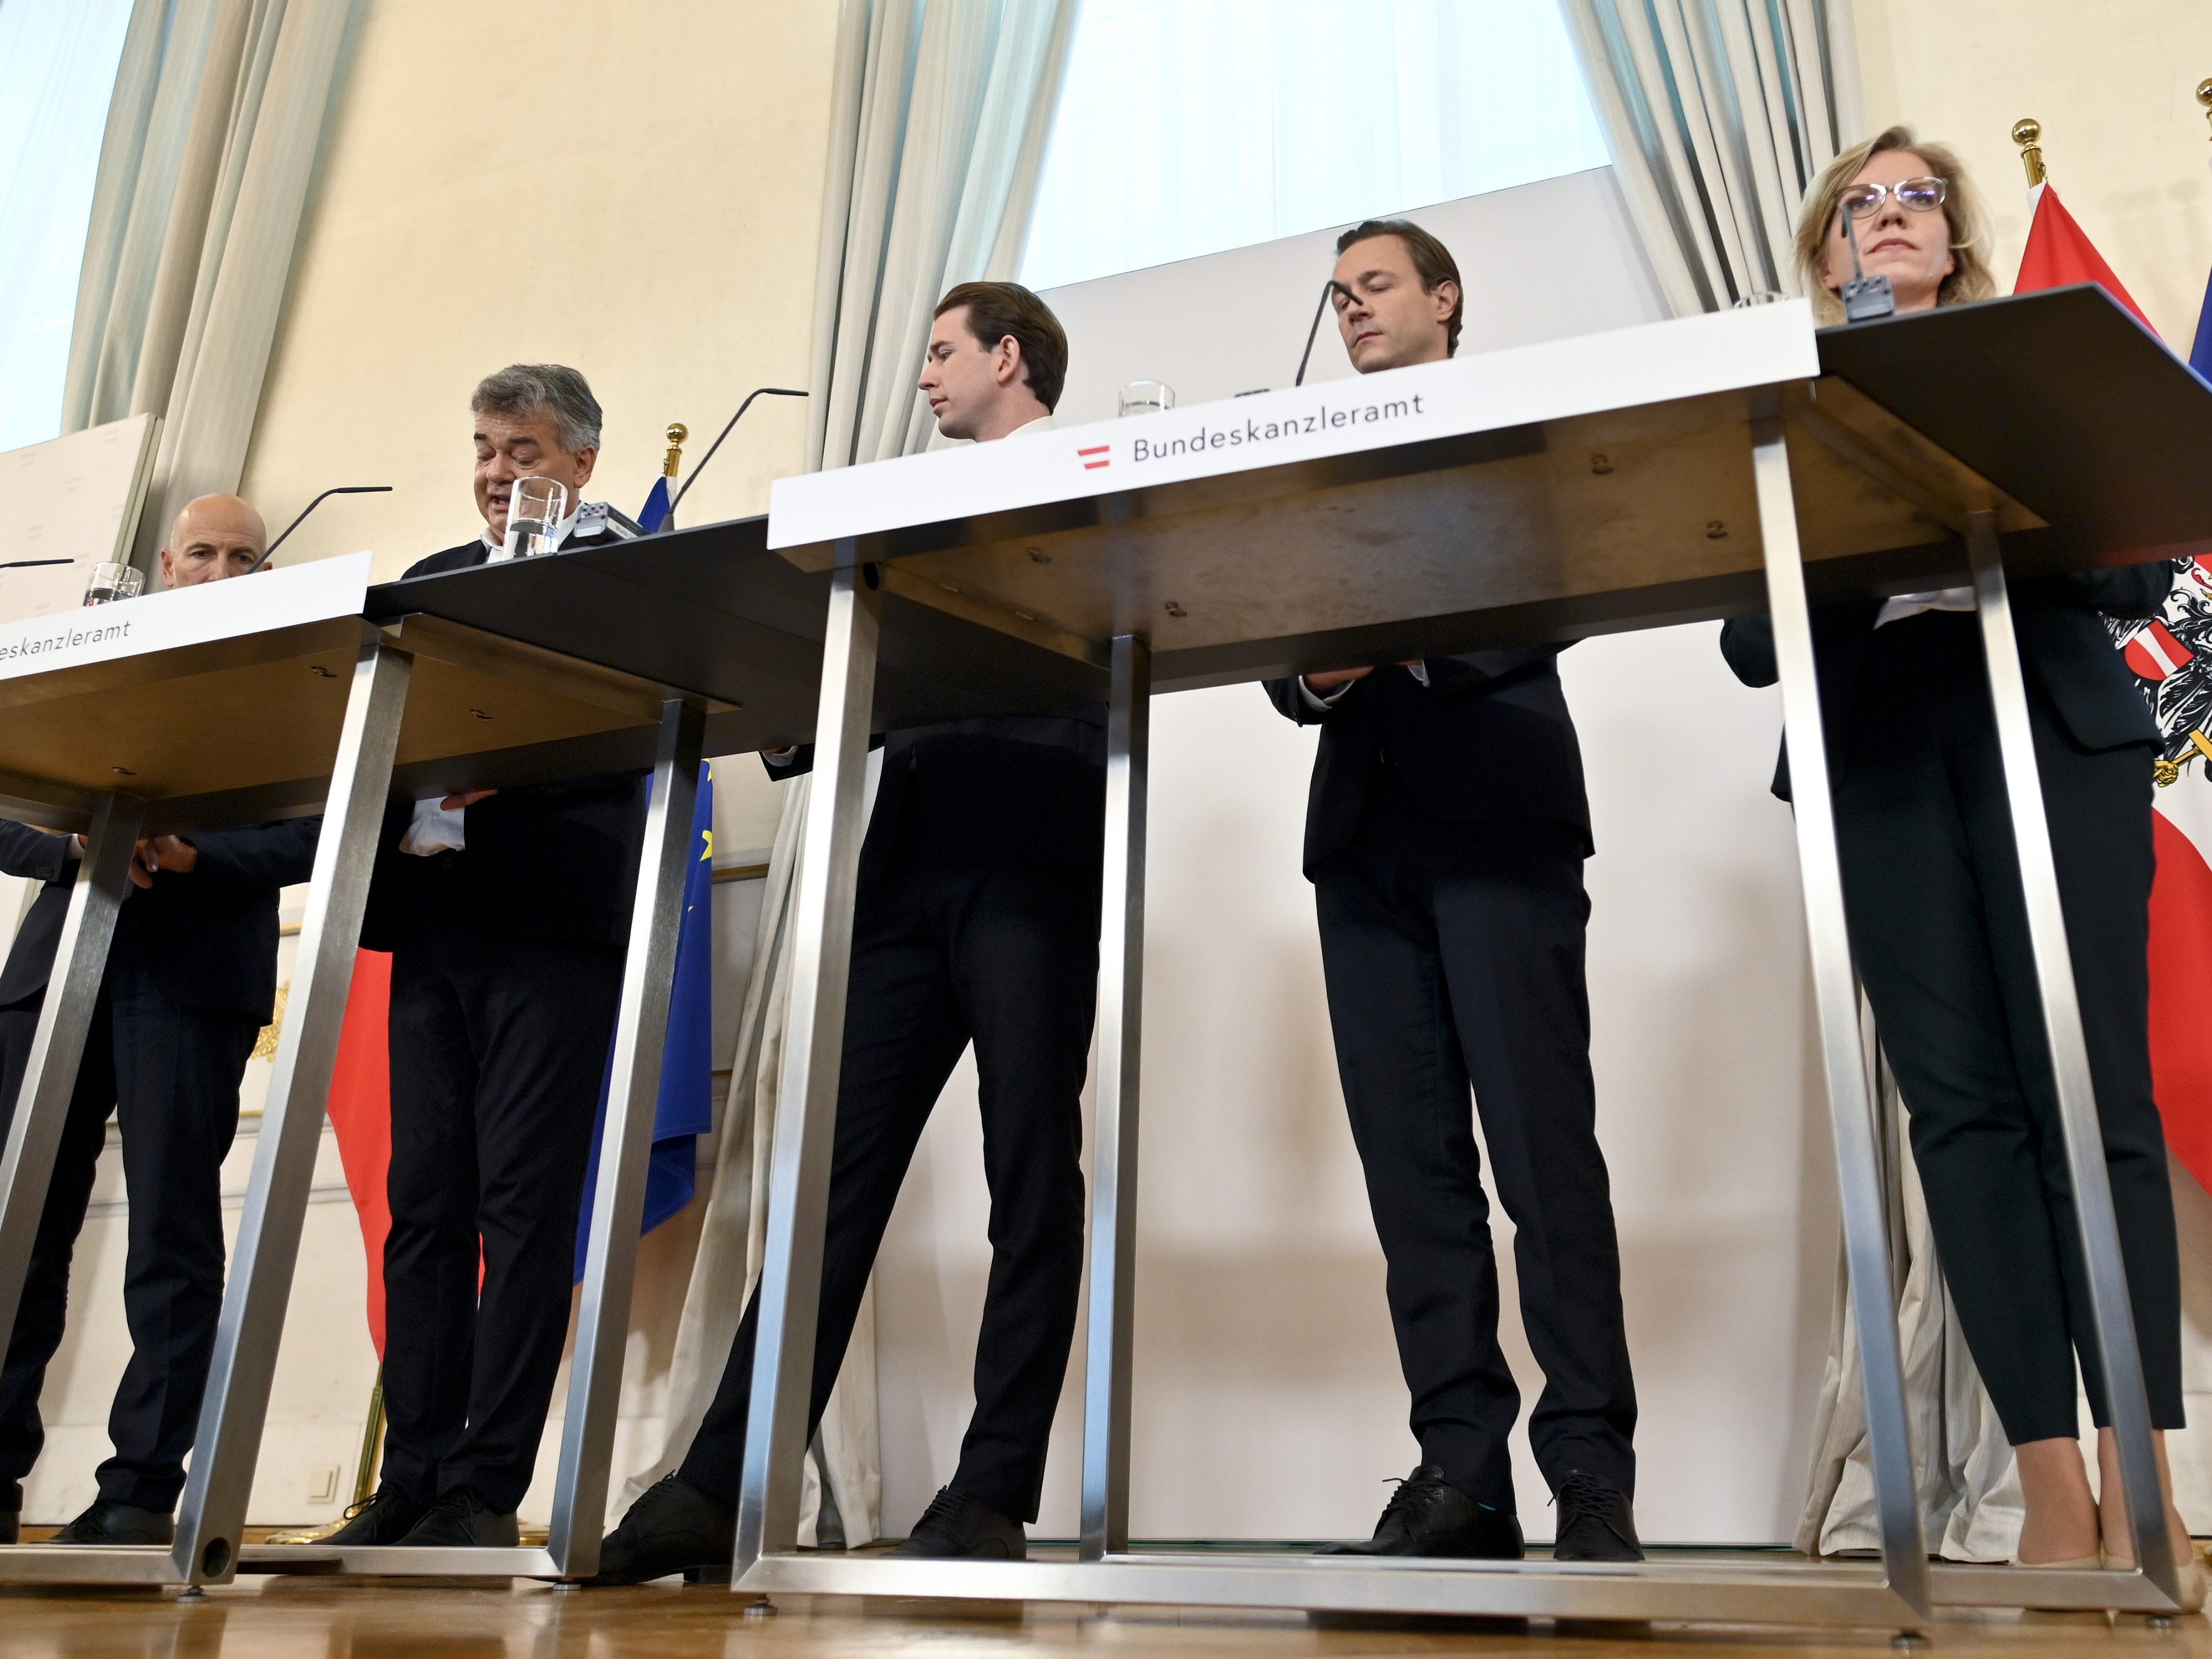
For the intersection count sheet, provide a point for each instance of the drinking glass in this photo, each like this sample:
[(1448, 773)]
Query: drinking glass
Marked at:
[(1147, 397), (534, 511), (112, 581)]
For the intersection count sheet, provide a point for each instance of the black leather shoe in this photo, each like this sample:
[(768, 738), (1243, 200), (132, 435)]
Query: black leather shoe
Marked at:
[(117, 1524), (1595, 1522), (957, 1527), (462, 1519), (1429, 1516), (386, 1518), (11, 1525), (672, 1528)]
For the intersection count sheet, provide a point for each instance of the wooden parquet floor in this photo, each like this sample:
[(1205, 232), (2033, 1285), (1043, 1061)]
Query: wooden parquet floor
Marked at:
[(318, 1618)]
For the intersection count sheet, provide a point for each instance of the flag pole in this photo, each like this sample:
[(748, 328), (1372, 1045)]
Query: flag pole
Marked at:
[(2204, 98), (678, 432), (2027, 133)]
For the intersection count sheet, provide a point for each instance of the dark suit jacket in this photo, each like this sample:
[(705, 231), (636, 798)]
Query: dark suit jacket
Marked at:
[(552, 862), (207, 937), (1004, 789), (2066, 657), (1488, 738)]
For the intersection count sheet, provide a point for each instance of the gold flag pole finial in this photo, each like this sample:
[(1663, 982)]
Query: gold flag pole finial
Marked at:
[(2027, 133), (678, 432), (2204, 97)]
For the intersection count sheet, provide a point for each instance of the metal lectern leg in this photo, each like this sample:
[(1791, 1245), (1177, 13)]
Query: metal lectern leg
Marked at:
[(579, 1497), (228, 1440), (1866, 1245), (57, 1046), (806, 1096), (1113, 1132), (2070, 1060)]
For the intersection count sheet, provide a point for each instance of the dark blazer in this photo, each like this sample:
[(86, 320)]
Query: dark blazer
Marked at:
[(207, 937), (555, 861), (1489, 738), (1002, 789), (2066, 656)]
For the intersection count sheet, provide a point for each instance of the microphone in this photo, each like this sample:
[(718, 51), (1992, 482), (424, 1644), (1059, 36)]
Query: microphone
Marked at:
[(32, 564), (1331, 286), (340, 489), (1865, 298), (759, 391)]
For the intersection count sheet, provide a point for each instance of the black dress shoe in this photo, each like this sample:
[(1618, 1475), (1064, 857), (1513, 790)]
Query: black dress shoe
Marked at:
[(672, 1528), (1429, 1516), (11, 1525), (1595, 1522), (386, 1518), (105, 1523), (462, 1519), (957, 1527)]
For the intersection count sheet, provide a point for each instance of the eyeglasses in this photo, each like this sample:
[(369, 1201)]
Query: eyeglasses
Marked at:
[(1921, 195)]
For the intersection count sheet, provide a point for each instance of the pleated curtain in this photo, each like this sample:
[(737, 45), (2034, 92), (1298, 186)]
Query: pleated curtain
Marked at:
[(940, 113), (210, 147), (1718, 114)]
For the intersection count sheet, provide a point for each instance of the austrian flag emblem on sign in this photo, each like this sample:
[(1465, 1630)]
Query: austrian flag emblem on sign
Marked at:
[(1096, 457)]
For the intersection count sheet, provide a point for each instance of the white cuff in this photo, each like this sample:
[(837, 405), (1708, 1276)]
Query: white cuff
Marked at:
[(1316, 702)]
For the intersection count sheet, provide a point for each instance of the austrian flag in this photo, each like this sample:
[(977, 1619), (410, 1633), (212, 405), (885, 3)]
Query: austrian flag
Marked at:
[(2171, 658)]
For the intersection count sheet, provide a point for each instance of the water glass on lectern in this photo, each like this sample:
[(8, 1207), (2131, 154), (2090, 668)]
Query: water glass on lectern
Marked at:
[(1147, 397), (112, 581), (535, 508)]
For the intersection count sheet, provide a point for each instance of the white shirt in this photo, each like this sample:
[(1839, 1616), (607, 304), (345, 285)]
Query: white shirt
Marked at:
[(1911, 605), (1419, 671)]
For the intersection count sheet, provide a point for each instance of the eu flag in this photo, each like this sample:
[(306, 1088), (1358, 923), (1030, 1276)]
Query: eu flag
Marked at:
[(654, 515), (685, 1108), (2200, 355)]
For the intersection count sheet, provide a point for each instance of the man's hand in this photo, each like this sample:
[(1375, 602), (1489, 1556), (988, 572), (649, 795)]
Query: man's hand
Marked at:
[(161, 853), (1329, 678), (467, 797)]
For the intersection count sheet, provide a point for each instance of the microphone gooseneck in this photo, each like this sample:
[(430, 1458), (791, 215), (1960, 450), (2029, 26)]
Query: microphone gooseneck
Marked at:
[(339, 490), (1331, 286), (759, 391), (32, 564)]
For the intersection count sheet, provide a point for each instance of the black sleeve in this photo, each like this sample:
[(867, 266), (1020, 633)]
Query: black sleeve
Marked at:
[(1472, 673), (1747, 642), (791, 766), (269, 855), (2136, 591), (31, 853)]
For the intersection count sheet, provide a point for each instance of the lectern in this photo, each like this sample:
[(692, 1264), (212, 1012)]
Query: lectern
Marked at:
[(1680, 472)]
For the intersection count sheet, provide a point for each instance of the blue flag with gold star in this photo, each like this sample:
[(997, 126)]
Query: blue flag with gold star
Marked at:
[(685, 1108)]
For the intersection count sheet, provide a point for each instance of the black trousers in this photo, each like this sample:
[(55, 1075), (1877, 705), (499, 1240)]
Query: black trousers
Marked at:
[(171, 1076), (1939, 929), (498, 1050), (1454, 955), (1006, 957)]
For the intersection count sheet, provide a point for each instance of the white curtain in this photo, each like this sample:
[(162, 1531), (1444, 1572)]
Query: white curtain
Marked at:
[(212, 142), (1718, 114), (1962, 1467), (1190, 126), (938, 125)]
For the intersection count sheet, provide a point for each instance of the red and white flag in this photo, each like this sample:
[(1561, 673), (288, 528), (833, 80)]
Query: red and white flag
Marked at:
[(2171, 657)]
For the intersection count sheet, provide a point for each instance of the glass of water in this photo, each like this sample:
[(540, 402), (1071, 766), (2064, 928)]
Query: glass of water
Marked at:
[(111, 581), (534, 511), (1147, 397)]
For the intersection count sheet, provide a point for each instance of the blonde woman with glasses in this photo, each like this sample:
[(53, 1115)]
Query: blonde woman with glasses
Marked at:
[(1939, 929)]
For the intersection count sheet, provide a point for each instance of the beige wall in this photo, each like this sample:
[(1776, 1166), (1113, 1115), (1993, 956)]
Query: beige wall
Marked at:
[(2114, 85), (681, 147), (684, 146)]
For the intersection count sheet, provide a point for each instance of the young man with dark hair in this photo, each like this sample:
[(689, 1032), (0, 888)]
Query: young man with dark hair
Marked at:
[(1445, 837), (977, 921)]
